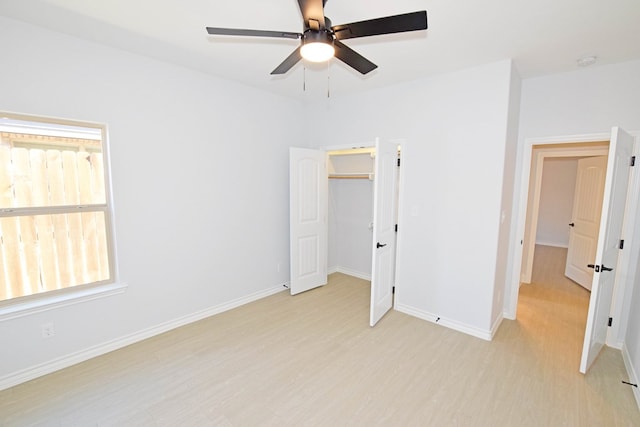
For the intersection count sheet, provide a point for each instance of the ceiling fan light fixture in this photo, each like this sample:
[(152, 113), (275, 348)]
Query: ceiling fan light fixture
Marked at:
[(317, 51), (317, 46)]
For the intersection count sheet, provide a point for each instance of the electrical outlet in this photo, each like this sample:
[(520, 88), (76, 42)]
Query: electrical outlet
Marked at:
[(47, 330)]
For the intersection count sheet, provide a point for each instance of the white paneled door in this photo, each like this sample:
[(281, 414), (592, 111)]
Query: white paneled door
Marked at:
[(308, 203), (585, 219), (606, 260), (384, 235)]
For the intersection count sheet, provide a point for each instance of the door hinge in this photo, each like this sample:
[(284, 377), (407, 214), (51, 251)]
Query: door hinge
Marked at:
[(610, 321), (396, 228), (398, 162), (621, 244), (633, 160), (393, 290)]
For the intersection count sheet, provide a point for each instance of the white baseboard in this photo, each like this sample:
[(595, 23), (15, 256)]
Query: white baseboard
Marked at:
[(616, 344), (509, 315), (496, 325), (448, 323), (100, 349), (554, 244), (354, 273), (631, 373)]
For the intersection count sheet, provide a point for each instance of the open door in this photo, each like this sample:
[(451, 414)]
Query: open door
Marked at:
[(606, 261), (585, 219), (308, 192), (384, 208)]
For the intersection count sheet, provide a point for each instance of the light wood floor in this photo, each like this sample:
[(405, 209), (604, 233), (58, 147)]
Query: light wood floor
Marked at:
[(313, 360)]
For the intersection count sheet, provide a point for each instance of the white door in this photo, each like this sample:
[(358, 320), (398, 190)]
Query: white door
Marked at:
[(308, 191), (585, 219), (384, 209), (606, 260)]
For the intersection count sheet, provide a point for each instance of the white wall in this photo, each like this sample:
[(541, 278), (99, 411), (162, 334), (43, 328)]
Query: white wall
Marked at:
[(332, 226), (200, 184), (588, 101), (505, 240), (556, 201), (455, 126), (350, 244)]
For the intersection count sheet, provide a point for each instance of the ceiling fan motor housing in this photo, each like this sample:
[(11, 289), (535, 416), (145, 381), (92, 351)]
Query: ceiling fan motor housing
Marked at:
[(317, 36)]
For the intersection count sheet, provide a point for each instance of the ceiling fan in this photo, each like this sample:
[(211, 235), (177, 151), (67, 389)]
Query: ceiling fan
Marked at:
[(321, 41)]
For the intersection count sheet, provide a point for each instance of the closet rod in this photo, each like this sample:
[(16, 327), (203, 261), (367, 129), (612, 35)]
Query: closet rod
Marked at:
[(352, 176)]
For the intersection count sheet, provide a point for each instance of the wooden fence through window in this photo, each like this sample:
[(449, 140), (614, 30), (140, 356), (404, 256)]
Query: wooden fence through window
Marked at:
[(49, 251)]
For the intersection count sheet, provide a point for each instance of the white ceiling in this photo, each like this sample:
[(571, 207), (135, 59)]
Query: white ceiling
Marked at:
[(542, 36)]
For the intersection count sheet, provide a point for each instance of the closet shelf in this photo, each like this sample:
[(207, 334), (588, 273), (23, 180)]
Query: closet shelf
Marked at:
[(368, 176)]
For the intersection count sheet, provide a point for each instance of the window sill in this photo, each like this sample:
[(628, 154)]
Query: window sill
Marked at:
[(45, 303)]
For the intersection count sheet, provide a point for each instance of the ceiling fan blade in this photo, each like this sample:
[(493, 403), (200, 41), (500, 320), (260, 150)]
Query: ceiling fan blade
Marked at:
[(353, 58), (388, 25), (252, 33), (312, 12), (288, 63)]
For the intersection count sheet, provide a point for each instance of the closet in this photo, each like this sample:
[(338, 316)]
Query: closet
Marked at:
[(337, 198), (350, 211)]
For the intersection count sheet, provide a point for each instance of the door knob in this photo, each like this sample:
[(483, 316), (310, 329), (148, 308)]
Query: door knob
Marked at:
[(599, 268), (380, 245), (573, 224)]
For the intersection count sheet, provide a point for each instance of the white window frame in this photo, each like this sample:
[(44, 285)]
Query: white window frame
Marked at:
[(47, 300)]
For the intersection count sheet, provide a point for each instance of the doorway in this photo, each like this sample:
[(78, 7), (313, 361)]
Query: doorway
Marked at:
[(610, 266), (539, 154)]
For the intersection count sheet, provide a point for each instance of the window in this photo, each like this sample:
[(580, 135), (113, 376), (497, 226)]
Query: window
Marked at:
[(55, 231)]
